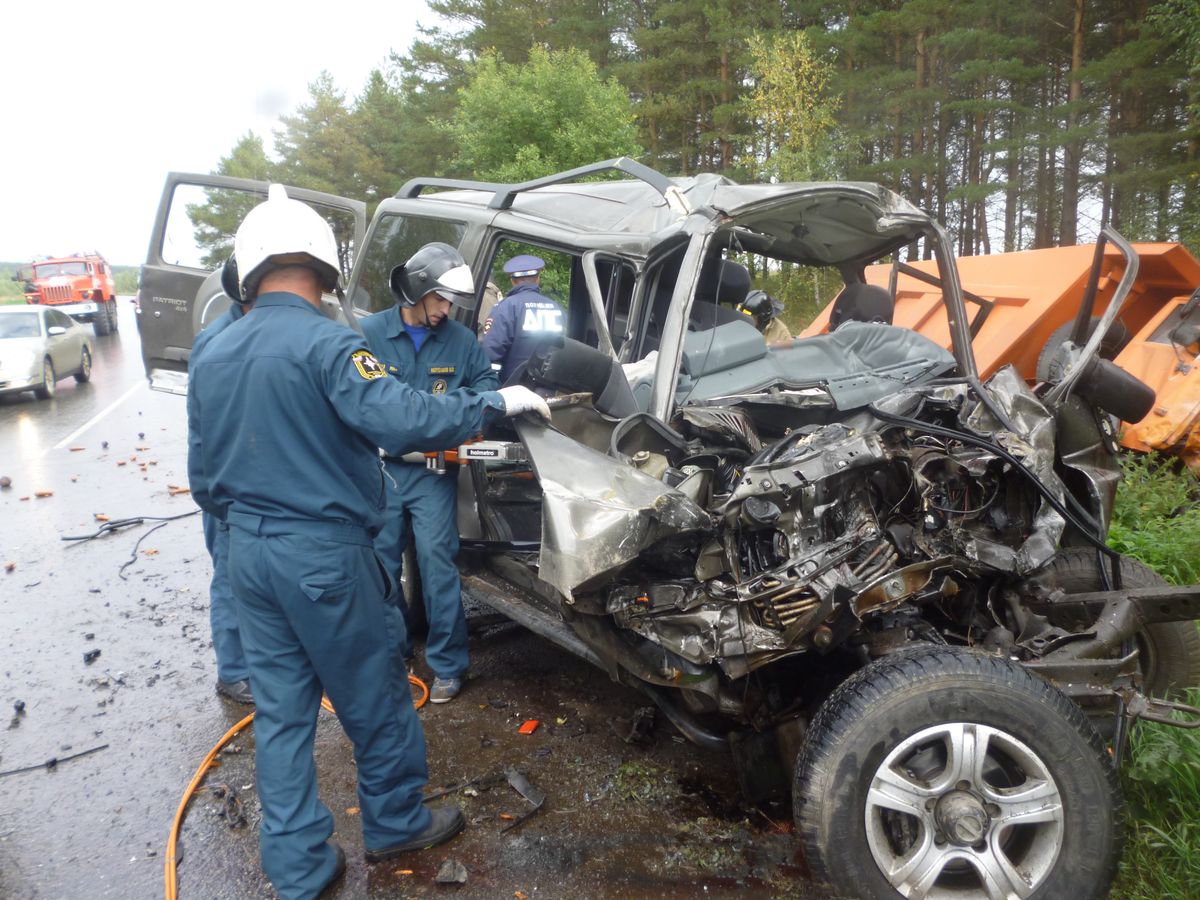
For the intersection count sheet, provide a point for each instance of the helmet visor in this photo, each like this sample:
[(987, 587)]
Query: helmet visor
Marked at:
[(457, 286)]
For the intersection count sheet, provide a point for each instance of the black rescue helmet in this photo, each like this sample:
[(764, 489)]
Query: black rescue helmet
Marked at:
[(437, 268), (761, 305)]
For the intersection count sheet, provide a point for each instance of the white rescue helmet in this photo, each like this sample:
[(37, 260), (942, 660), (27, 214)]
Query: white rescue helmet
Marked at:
[(435, 268), (280, 232)]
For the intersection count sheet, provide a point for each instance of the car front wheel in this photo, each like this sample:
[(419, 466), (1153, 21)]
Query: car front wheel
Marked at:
[(941, 772), (48, 387)]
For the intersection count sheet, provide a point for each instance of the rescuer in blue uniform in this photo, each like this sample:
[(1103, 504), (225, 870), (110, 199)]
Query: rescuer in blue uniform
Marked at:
[(233, 672), (289, 460), (423, 347), (523, 319)]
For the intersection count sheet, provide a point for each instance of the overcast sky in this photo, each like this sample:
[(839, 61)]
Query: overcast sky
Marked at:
[(103, 99)]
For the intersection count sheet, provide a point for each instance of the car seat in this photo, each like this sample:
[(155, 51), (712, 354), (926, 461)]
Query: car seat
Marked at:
[(862, 303)]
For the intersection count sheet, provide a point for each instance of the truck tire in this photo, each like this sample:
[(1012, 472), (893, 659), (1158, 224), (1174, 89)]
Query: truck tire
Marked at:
[(100, 322), (939, 771), (111, 308), (1168, 652), (49, 386)]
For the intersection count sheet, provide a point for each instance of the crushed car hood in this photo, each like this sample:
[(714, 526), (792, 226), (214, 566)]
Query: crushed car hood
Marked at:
[(598, 513)]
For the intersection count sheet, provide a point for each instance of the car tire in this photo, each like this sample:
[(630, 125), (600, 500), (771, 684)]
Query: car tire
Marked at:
[(1168, 652), (49, 385), (1049, 368), (935, 765), (84, 375)]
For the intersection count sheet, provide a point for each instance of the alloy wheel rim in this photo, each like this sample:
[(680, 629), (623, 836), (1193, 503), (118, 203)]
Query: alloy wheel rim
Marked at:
[(961, 807)]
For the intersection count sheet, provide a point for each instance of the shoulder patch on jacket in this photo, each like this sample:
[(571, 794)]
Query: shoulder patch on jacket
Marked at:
[(368, 366)]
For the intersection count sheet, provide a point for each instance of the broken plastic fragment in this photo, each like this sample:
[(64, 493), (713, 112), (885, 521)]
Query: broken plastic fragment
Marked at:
[(451, 872), (529, 726)]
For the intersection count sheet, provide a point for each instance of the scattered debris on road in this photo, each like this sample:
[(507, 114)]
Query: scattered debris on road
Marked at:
[(451, 872), (90, 656)]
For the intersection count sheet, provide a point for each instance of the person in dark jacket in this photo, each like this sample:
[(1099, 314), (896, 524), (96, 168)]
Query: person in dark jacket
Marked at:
[(290, 462), (233, 672), (523, 319), (423, 347)]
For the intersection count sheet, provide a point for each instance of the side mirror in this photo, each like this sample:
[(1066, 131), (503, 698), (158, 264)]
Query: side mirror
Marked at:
[(55, 330)]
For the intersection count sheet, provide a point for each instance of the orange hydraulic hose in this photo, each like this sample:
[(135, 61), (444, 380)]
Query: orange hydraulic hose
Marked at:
[(170, 875)]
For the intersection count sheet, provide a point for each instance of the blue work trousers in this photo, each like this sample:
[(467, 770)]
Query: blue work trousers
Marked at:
[(429, 501), (226, 641), (311, 609)]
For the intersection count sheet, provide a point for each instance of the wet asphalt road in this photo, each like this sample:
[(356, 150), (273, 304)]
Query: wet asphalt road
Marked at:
[(621, 819)]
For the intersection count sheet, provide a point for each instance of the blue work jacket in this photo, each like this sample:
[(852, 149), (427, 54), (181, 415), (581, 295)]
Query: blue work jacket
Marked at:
[(285, 413), (518, 323), (449, 358)]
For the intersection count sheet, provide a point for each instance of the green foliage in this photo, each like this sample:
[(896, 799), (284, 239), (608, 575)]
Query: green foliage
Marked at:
[(10, 290), (1162, 788), (1157, 517), (125, 279), (216, 220), (791, 108), (319, 147), (518, 121), (1006, 121)]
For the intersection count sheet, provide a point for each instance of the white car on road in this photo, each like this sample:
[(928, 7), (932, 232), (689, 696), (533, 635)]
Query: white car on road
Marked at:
[(39, 345)]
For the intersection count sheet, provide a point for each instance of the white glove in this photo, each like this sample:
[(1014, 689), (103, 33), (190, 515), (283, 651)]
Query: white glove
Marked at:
[(519, 399)]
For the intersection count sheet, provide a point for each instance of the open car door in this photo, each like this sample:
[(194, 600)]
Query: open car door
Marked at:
[(180, 291)]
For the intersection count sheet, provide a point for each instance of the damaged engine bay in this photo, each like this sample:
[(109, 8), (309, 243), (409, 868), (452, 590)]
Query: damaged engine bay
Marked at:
[(733, 562)]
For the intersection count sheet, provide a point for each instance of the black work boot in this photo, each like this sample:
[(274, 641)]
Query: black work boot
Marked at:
[(447, 821), (338, 872), (237, 691)]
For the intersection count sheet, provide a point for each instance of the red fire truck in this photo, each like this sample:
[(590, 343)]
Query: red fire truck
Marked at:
[(80, 286)]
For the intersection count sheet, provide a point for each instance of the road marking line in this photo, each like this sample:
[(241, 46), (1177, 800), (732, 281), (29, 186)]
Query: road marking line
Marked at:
[(100, 415)]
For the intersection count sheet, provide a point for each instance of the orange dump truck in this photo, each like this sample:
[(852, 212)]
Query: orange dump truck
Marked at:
[(80, 286), (1024, 306)]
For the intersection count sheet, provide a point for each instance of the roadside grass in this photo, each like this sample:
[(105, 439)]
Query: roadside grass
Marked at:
[(1162, 789), (1157, 520)]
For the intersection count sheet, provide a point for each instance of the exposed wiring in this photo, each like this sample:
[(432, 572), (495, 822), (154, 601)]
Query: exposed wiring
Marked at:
[(117, 524), (1087, 529), (53, 761), (170, 866)]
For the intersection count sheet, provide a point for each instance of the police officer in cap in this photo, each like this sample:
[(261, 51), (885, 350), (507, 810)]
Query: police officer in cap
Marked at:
[(426, 349), (523, 319), (289, 460), (233, 672)]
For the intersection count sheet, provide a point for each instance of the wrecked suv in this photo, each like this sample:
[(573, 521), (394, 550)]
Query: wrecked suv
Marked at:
[(873, 578)]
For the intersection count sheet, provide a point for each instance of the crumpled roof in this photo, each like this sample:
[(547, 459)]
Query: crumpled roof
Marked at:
[(821, 222)]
